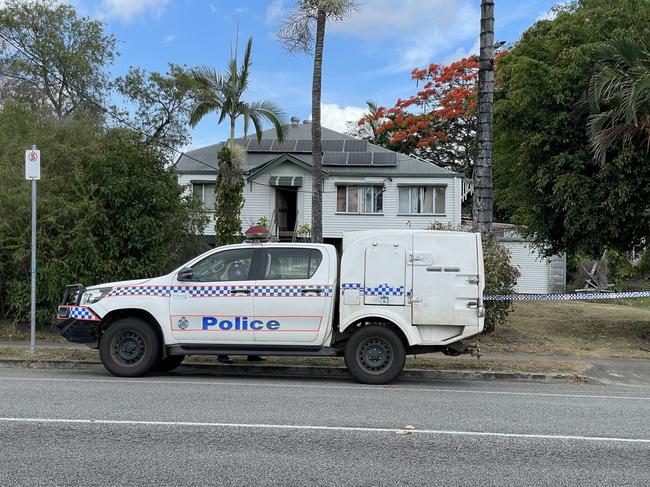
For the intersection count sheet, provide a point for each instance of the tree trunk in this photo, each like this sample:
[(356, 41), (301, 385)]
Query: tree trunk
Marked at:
[(482, 201), (231, 140), (316, 146)]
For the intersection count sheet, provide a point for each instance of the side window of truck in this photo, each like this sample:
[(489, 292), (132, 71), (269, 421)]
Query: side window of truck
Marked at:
[(228, 265), (296, 263)]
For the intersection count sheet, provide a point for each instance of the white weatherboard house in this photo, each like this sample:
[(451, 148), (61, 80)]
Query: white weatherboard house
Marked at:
[(365, 186)]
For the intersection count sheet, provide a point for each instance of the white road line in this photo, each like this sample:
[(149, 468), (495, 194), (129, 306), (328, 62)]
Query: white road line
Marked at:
[(319, 428), (324, 386)]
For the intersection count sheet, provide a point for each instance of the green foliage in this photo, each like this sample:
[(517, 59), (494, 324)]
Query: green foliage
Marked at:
[(619, 95), (48, 55), (500, 278), (223, 94), (108, 209), (263, 221), (229, 199), (643, 267), (544, 174), (163, 103)]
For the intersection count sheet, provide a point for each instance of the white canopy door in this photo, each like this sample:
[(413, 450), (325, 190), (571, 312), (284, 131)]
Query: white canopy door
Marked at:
[(445, 279), (385, 274)]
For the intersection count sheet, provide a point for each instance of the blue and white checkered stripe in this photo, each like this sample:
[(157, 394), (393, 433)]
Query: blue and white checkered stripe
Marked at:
[(220, 291), (297, 290), (141, 291), (82, 313), (381, 290), (565, 297)]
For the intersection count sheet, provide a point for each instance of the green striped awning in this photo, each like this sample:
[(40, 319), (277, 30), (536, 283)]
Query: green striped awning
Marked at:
[(291, 181)]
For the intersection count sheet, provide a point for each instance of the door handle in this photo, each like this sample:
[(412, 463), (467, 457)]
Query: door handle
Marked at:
[(315, 290), (240, 291)]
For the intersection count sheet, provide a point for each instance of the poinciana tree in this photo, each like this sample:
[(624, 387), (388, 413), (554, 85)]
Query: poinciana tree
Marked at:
[(438, 123)]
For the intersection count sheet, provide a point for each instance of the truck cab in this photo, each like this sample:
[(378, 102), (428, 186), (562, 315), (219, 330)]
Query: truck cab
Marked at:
[(394, 292)]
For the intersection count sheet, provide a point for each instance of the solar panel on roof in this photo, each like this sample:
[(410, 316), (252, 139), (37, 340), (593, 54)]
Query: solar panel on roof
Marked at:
[(356, 146), (359, 158), (303, 145), (263, 146), (332, 145), (243, 142), (384, 159), (334, 158), (288, 145)]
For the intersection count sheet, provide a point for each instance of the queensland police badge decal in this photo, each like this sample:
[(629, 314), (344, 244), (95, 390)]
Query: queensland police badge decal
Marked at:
[(183, 323)]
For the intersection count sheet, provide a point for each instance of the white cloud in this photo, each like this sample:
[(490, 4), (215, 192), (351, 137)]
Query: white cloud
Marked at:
[(275, 11), (335, 117), (127, 10), (241, 10), (419, 30), (168, 39), (212, 8)]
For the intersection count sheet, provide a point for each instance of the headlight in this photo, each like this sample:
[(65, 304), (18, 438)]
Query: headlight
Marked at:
[(94, 295)]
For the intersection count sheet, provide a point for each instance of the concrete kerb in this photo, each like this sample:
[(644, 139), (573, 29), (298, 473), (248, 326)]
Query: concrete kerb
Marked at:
[(315, 371)]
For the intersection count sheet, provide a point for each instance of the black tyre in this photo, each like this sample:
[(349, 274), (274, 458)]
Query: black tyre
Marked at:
[(375, 355), (170, 362), (130, 348)]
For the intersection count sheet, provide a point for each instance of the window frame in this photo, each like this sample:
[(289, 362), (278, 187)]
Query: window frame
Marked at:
[(258, 263), (378, 189), (251, 269), (203, 184), (434, 188)]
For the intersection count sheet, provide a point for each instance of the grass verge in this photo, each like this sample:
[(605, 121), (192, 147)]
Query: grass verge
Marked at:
[(575, 328), (422, 362)]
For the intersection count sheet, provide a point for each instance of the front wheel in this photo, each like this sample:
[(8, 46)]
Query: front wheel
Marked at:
[(130, 348), (375, 355)]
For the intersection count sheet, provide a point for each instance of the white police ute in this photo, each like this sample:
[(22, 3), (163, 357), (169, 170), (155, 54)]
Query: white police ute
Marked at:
[(395, 292)]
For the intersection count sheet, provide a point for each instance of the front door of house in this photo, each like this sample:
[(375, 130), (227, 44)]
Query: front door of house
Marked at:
[(286, 206)]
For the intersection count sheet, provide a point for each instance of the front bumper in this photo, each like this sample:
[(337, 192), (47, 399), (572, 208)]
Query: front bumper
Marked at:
[(78, 331), (76, 323)]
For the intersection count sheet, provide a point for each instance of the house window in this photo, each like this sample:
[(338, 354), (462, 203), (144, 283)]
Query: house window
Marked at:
[(360, 199), (424, 200), (204, 192)]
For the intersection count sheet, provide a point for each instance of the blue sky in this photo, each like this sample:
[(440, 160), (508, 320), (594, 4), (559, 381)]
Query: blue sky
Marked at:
[(370, 56)]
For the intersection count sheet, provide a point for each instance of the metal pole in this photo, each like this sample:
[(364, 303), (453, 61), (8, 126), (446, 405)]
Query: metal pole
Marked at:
[(32, 346)]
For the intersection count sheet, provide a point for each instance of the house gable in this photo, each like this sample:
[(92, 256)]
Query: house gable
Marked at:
[(272, 164)]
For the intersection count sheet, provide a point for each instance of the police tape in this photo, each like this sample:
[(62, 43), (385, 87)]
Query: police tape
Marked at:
[(565, 297)]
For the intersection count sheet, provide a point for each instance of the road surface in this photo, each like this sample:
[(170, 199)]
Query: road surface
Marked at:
[(88, 428)]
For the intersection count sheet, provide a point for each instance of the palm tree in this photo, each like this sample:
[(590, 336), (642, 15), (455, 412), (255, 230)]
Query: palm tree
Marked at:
[(619, 95), (223, 93), (304, 30)]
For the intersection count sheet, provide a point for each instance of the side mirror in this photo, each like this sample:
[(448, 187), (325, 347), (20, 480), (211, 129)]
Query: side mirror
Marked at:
[(185, 274)]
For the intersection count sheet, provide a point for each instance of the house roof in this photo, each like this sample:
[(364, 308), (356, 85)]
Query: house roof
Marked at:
[(340, 157)]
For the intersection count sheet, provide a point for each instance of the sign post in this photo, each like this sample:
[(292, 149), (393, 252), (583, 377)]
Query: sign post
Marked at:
[(33, 174)]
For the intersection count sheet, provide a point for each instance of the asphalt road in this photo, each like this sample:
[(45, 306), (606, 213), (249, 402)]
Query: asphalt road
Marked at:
[(87, 428)]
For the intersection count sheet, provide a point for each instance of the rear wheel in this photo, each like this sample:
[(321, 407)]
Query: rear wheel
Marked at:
[(375, 355), (130, 348), (170, 362)]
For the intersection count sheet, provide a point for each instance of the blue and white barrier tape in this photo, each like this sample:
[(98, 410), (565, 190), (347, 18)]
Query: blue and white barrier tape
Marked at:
[(565, 297)]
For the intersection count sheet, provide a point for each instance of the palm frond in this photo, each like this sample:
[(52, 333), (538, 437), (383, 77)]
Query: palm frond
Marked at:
[(619, 95), (273, 113)]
